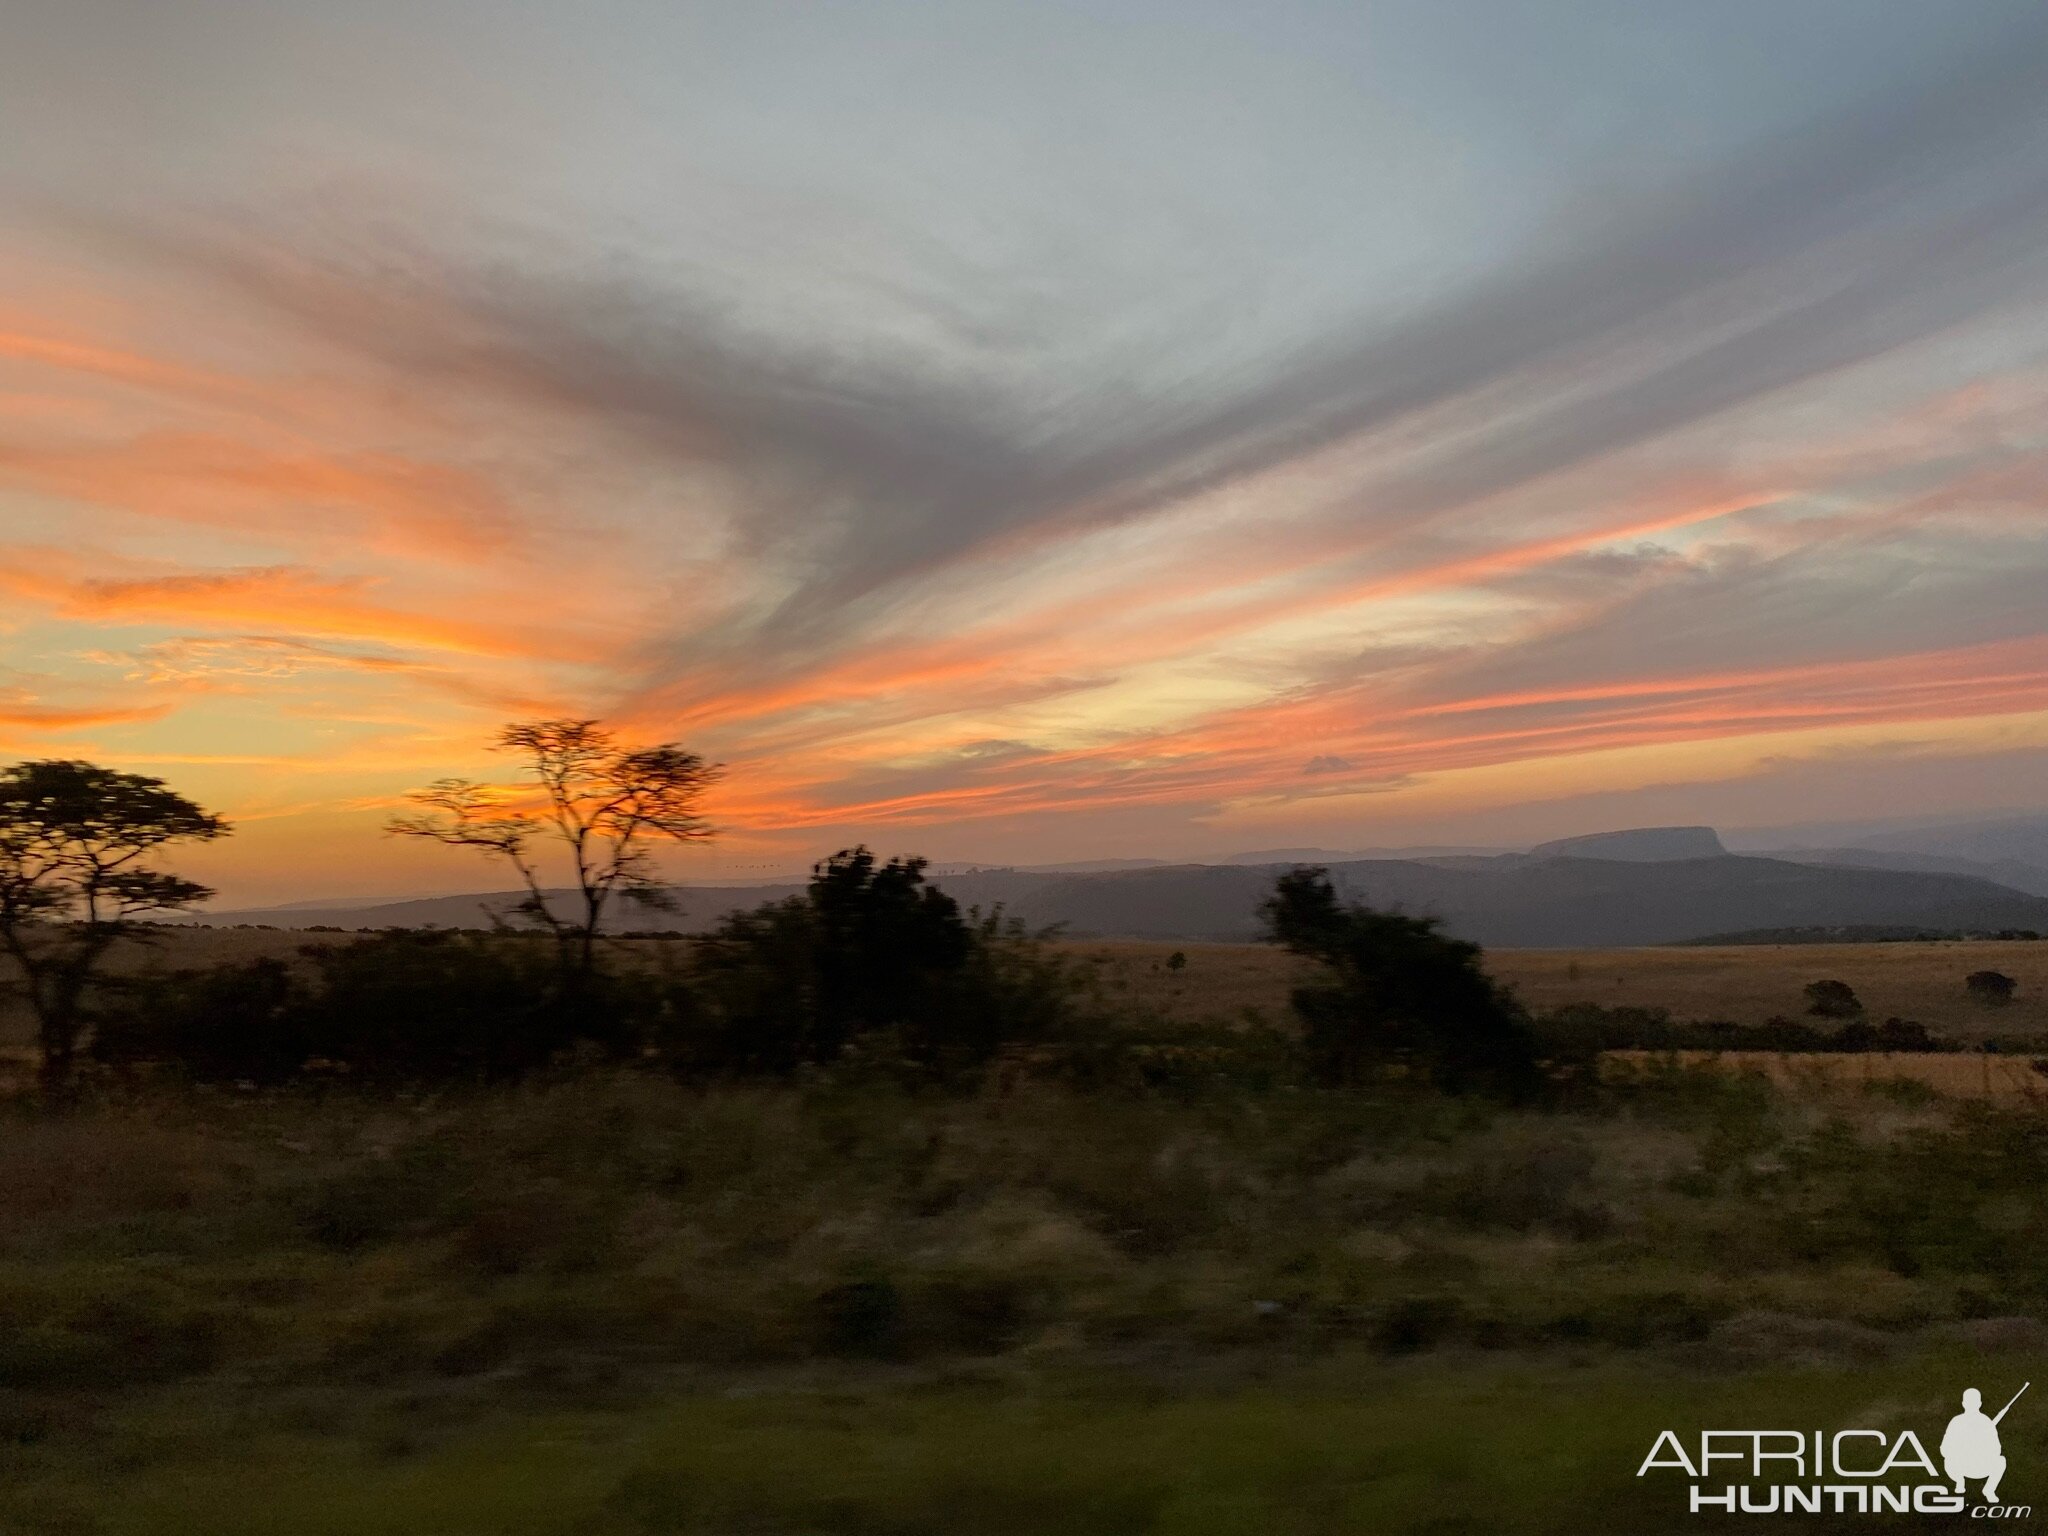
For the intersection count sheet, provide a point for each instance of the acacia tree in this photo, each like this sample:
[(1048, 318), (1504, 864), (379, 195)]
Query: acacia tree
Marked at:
[(76, 841), (606, 804)]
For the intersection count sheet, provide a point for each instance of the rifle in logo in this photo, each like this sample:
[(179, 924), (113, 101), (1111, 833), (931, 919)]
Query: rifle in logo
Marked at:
[(1970, 1446), (2008, 1407)]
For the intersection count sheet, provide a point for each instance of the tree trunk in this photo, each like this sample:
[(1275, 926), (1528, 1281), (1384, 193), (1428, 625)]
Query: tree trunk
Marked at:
[(59, 1021), (57, 1036), (55, 1076)]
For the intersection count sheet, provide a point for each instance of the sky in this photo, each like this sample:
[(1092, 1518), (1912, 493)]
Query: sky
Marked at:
[(1029, 432)]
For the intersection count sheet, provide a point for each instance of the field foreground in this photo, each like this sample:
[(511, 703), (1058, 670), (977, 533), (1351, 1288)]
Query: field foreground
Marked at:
[(614, 1303), (1164, 1285), (1339, 1446)]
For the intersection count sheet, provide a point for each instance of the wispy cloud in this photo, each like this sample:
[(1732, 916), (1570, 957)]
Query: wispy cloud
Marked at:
[(915, 537)]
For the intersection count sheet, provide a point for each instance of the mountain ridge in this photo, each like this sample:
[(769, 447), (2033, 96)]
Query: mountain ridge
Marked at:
[(1511, 901)]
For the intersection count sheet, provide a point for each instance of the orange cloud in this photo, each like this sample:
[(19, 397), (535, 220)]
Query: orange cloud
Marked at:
[(1263, 749), (410, 507), (119, 366), (286, 598), (39, 717), (358, 548)]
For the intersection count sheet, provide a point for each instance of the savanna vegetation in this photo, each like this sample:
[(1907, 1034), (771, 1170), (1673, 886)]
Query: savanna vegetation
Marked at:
[(867, 1214)]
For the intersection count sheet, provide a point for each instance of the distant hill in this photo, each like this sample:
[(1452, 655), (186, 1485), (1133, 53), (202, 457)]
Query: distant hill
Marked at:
[(1517, 900), (2012, 850), (1093, 866), (1639, 845), (1341, 856), (2017, 873), (2020, 838)]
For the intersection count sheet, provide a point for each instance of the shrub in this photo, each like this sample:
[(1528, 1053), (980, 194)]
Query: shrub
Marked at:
[(1832, 1000), (861, 1317), (1181, 1060), (232, 1023), (409, 1006), (1578, 1032), (1398, 993), (870, 956), (1994, 989), (399, 1006), (1906, 1035)]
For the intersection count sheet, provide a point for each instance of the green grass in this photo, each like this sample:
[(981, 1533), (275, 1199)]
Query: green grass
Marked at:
[(611, 1303), (1341, 1446)]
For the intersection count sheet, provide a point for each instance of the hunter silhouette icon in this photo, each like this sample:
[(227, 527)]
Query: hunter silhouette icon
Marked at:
[(1970, 1448)]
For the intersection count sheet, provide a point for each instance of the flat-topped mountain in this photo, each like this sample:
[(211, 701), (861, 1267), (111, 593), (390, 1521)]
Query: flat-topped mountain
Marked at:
[(1639, 845)]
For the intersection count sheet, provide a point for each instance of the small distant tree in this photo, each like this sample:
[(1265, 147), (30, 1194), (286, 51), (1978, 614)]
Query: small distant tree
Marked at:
[(604, 803), (1994, 989), (1177, 961), (76, 848), (1397, 991), (1833, 1000)]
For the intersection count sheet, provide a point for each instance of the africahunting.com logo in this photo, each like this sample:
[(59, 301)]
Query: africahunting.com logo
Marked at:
[(1851, 1471)]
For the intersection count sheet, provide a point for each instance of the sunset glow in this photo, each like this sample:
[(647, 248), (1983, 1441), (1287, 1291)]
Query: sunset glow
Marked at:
[(1032, 493)]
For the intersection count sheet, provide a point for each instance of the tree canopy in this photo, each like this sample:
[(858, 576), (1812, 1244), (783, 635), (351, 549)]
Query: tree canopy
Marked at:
[(605, 805), (1397, 992), (76, 848)]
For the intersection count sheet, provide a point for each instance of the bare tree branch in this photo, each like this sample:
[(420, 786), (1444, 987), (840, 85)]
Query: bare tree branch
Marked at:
[(604, 803)]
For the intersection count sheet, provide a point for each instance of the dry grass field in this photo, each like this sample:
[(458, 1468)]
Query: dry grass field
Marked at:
[(1743, 984), (1746, 984)]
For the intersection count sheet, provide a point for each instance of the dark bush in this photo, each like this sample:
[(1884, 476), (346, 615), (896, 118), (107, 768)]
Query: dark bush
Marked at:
[(410, 1006), (1992, 988), (399, 1006), (1906, 1035), (869, 956), (1832, 1000), (1415, 1323), (234, 1023), (1181, 1060), (984, 1314), (1580, 1031), (1398, 993), (861, 1317), (1576, 1034)]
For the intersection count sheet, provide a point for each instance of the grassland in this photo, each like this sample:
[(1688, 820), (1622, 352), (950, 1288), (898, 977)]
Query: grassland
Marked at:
[(1743, 984), (614, 1303), (1347, 1445), (611, 1304), (1963, 1075)]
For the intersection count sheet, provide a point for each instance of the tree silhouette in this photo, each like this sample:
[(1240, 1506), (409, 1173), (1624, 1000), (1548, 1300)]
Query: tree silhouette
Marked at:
[(1833, 1000), (1994, 989), (1396, 991), (606, 805), (75, 844)]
